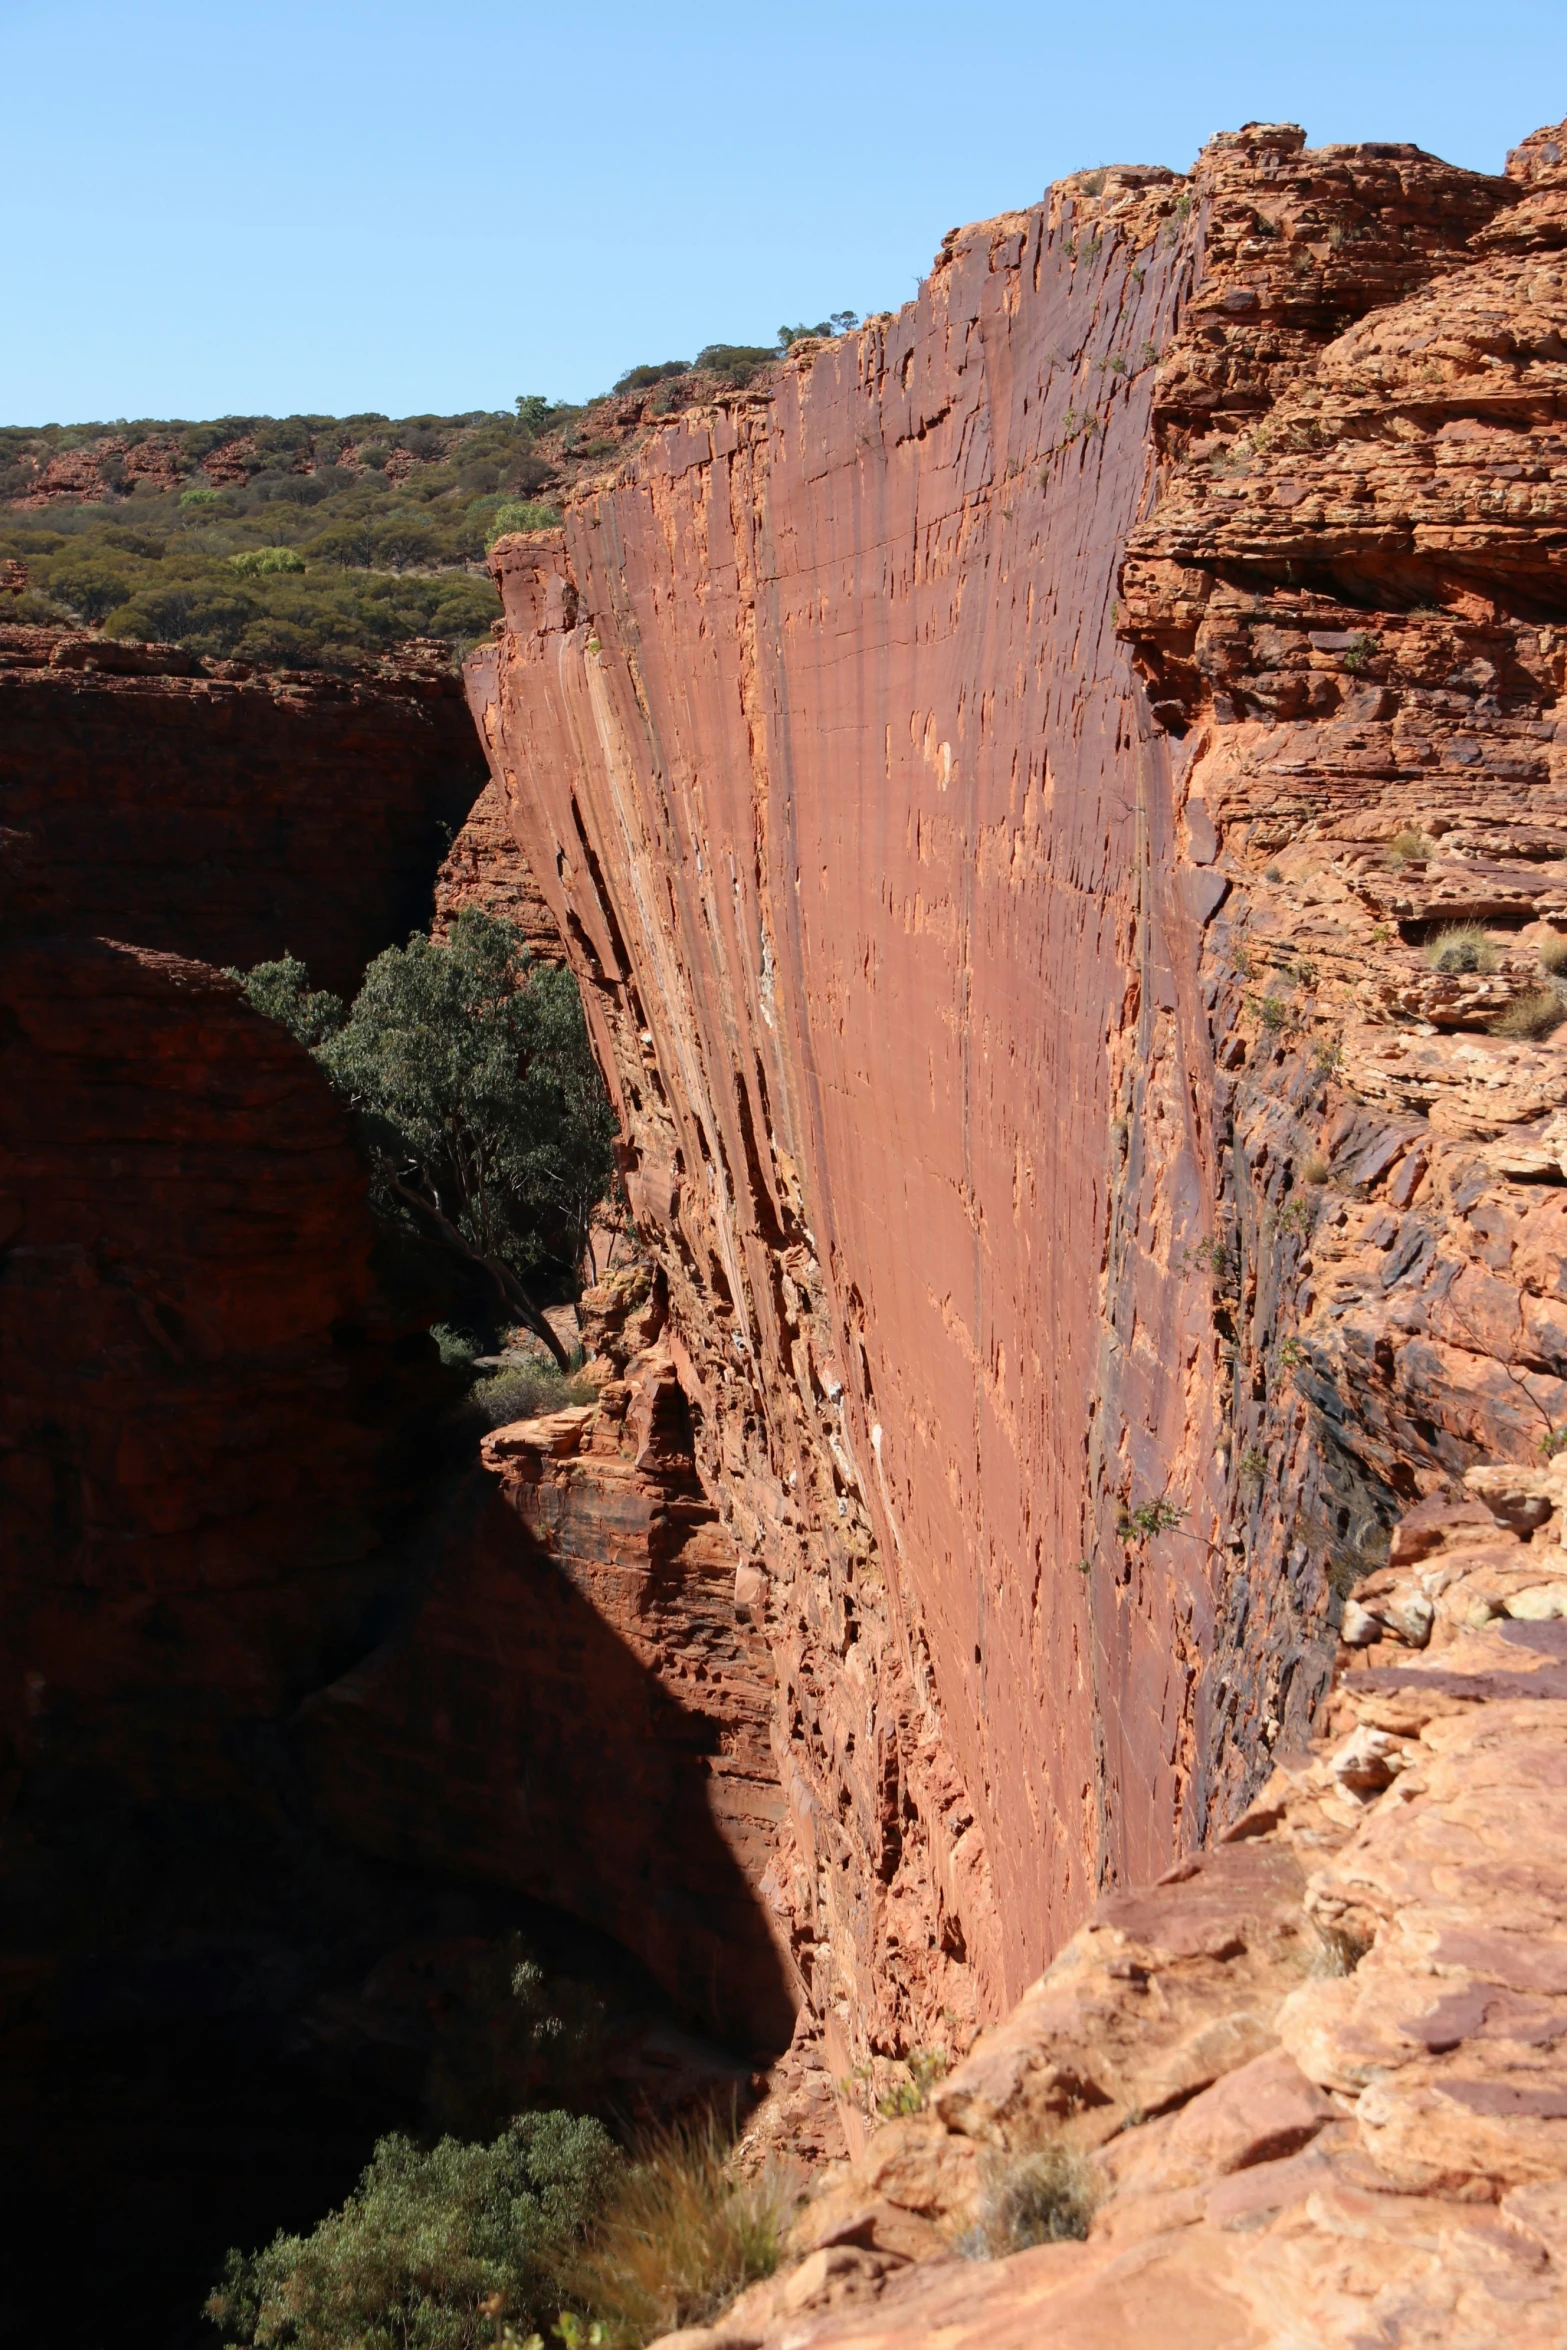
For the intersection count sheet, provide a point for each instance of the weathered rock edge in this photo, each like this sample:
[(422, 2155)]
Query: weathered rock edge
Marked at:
[(1314, 2076)]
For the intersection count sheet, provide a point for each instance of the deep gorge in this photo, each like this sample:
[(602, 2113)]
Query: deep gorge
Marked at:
[(1003, 785)]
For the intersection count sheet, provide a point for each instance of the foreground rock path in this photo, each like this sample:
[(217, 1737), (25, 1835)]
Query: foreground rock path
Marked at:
[(1317, 2074)]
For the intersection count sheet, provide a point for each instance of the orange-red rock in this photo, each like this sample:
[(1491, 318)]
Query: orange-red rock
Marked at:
[(977, 1005), (1309, 2085), (485, 868)]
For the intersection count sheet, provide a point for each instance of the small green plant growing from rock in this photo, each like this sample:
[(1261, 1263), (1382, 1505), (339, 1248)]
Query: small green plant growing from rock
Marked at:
[(1217, 1257), (1149, 1518), (1275, 1012), (1291, 1353), (1298, 1216), (926, 2066), (1554, 1443), (1252, 1466)]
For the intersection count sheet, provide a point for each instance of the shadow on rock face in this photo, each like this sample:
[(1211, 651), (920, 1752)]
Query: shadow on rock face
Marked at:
[(578, 1711)]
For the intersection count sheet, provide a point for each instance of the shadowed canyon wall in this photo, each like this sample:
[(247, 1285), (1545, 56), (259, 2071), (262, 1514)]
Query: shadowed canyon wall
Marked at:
[(217, 1395), (197, 808), (913, 766), (306, 1711)]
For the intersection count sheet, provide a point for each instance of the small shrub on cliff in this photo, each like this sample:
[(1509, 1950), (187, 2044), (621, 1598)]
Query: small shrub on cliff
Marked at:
[(680, 2238), (927, 2066), (1462, 946), (526, 514), (523, 1395), (432, 2251), (642, 379), (736, 364), (1150, 1518)]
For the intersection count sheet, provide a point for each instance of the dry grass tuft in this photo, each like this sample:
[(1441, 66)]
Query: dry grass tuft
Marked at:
[(1553, 955), (1464, 946), (1043, 2197), (1532, 1016), (1409, 847), (681, 2238), (1314, 1168)]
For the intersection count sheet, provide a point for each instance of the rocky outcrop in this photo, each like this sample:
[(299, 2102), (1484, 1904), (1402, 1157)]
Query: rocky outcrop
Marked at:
[(1342, 605), (1306, 2087), (198, 809), (972, 775)]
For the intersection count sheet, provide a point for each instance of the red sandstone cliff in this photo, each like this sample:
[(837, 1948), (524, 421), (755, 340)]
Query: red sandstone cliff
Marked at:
[(963, 773)]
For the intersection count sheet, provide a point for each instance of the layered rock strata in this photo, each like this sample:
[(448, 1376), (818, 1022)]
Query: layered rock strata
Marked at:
[(968, 774), (1309, 2085), (217, 1397), (200, 809), (485, 868)]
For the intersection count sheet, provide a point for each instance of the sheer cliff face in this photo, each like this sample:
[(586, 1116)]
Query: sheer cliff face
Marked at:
[(819, 737), (917, 863)]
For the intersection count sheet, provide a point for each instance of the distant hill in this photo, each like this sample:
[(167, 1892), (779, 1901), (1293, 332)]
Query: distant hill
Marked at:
[(309, 542), (297, 542)]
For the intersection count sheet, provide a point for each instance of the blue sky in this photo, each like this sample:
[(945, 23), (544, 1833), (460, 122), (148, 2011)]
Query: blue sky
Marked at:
[(336, 206)]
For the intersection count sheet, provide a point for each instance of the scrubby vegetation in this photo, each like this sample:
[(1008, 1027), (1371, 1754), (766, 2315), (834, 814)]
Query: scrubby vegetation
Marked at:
[(1533, 1016), (1462, 947), (524, 1393), (312, 541), (679, 2237), (434, 2250), (1042, 2196), (302, 541), (549, 2229), (478, 1094)]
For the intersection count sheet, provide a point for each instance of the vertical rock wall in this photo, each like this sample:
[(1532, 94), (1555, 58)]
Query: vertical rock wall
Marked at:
[(817, 733), (916, 961)]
